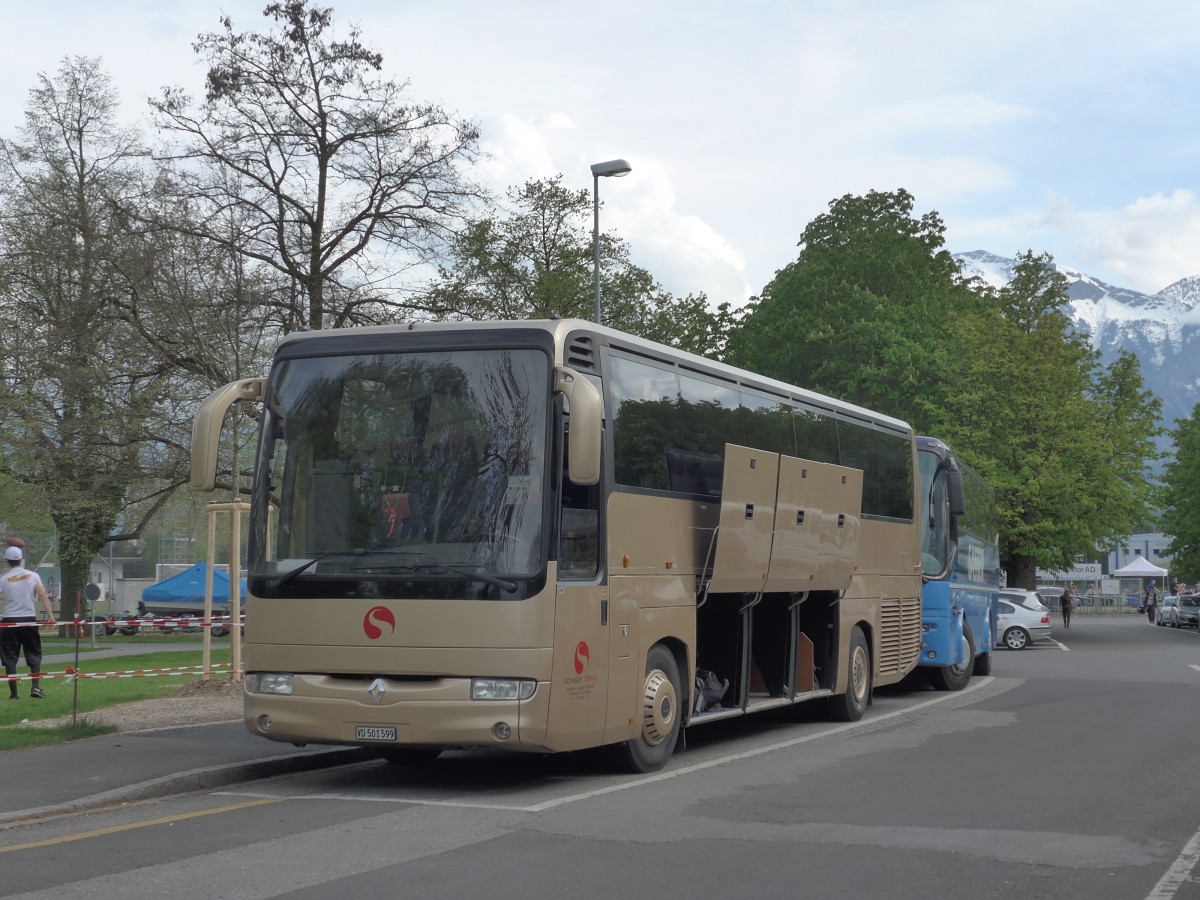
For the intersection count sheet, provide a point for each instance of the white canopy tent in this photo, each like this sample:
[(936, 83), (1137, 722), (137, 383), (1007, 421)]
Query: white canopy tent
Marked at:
[(1140, 568)]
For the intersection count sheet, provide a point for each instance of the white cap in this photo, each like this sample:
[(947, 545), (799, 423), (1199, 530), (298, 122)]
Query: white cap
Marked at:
[(13, 554)]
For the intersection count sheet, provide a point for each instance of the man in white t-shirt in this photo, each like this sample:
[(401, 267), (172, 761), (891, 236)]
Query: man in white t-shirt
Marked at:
[(19, 587)]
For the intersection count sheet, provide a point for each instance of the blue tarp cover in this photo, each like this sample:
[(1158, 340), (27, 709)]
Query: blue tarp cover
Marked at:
[(188, 587)]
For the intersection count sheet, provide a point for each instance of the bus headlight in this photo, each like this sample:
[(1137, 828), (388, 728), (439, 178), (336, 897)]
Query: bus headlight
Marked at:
[(269, 683), (502, 688)]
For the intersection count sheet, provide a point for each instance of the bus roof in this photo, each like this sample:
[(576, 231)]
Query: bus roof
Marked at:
[(561, 328)]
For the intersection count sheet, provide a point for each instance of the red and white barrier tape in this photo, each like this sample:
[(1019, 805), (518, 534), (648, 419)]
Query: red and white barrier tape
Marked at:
[(180, 622), (167, 672)]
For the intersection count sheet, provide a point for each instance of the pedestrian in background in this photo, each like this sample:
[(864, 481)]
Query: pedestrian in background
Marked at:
[(1150, 600), (19, 587), (1066, 603)]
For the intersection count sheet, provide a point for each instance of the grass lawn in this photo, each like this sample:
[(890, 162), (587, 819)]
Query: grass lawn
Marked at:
[(92, 694)]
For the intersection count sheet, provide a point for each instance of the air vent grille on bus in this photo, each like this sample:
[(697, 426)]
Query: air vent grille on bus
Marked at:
[(581, 354), (900, 635)]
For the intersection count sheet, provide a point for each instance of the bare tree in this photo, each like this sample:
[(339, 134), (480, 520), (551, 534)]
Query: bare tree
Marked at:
[(86, 406), (334, 177)]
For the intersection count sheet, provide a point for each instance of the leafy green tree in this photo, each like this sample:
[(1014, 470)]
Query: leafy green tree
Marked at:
[(875, 311), (1181, 495), (337, 179), (1063, 440), (864, 313), (535, 260)]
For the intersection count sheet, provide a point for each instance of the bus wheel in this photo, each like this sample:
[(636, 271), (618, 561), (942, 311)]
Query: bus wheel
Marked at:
[(850, 706), (983, 664), (410, 756), (955, 678), (661, 714)]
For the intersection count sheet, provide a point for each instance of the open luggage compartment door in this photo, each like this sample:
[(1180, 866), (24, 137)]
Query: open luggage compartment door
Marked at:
[(743, 553), (815, 542)]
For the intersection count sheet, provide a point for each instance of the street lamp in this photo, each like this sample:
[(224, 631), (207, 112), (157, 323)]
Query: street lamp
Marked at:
[(614, 167)]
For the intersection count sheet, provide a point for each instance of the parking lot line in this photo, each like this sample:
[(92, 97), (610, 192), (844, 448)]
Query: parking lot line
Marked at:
[(1180, 871)]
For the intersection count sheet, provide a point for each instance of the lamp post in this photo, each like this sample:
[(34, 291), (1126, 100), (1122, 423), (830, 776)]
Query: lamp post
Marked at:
[(614, 167)]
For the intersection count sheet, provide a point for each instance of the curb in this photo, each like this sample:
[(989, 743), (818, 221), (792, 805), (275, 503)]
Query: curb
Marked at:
[(201, 779)]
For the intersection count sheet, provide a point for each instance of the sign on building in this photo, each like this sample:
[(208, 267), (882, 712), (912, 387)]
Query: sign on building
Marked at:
[(1081, 571)]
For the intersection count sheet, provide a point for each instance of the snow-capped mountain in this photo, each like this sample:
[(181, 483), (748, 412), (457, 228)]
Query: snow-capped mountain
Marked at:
[(1162, 330)]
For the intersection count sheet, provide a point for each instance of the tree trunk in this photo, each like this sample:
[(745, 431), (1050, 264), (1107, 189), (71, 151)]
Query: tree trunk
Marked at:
[(80, 529), (1022, 572)]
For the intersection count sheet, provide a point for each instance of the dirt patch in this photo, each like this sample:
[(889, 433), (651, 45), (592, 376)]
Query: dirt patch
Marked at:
[(198, 702)]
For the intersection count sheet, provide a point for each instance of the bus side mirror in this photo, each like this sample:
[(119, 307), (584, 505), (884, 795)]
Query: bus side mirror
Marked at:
[(583, 454), (954, 492), (206, 428)]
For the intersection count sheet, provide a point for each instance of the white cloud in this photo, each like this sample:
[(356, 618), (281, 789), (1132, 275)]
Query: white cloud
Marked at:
[(515, 150), (683, 252), (1149, 244), (687, 254), (1145, 245), (1069, 135)]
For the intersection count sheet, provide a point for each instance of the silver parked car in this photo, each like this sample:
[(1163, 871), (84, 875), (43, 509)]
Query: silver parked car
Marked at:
[(1021, 597), (1178, 612), (1189, 612), (1051, 595), (1017, 626), (1167, 608)]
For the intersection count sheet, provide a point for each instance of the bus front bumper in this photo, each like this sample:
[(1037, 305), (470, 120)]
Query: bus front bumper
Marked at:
[(389, 713)]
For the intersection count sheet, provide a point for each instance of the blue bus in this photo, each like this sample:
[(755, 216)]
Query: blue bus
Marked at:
[(960, 568)]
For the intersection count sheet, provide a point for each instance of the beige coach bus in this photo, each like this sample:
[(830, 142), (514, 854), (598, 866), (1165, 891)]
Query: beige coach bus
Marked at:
[(549, 535)]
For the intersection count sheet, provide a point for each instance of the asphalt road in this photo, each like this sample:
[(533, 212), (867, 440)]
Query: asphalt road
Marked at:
[(1068, 773)]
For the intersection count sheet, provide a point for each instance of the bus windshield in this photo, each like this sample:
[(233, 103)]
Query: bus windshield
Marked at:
[(935, 547), (401, 475)]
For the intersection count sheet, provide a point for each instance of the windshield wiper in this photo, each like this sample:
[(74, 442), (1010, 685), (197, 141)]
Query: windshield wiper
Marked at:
[(437, 568), (495, 580), (287, 577)]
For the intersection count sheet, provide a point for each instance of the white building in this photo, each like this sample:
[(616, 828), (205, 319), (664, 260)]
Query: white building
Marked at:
[(1152, 547)]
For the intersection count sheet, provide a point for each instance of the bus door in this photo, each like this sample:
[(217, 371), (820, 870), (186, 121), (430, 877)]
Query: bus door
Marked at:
[(580, 688)]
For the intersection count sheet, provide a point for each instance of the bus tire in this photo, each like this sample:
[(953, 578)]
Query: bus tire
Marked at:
[(955, 678), (983, 664), (661, 712), (850, 706)]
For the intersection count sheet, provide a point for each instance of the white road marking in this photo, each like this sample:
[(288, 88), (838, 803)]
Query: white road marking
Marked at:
[(976, 684), (1180, 870)]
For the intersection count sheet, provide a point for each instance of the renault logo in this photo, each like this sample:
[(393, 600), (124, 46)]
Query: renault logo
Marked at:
[(376, 690)]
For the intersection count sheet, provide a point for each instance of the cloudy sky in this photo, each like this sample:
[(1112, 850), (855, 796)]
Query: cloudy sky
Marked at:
[(1060, 126)]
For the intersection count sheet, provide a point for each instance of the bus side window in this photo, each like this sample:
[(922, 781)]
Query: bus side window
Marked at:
[(578, 527)]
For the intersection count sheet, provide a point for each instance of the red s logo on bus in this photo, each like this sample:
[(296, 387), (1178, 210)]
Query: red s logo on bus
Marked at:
[(379, 614), (581, 657)]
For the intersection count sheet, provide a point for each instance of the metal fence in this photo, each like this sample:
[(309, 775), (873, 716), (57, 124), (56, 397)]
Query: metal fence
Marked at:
[(1102, 605)]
